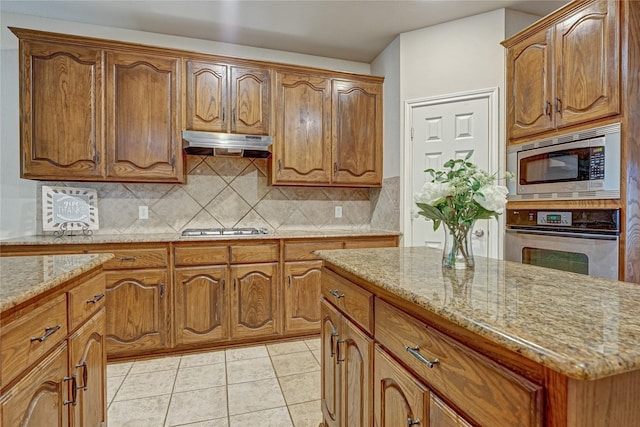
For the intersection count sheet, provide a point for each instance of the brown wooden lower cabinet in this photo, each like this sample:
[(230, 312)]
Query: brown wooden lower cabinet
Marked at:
[(346, 371), (302, 296), (254, 301), (201, 304), (137, 311)]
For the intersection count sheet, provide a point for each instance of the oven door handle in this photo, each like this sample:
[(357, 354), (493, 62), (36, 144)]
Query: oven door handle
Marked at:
[(562, 234)]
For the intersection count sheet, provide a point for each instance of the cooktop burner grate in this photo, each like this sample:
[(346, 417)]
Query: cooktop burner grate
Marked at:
[(221, 232)]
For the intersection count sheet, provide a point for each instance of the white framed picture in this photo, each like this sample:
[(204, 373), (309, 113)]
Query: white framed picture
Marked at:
[(69, 208)]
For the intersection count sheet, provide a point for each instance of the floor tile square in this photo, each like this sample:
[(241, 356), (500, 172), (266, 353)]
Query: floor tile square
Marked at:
[(152, 365), (199, 377), (295, 363), (307, 414), (318, 355), (146, 412), (197, 405), (148, 384), (301, 387), (254, 396), (244, 353), (276, 417), (242, 371), (286, 348), (220, 422), (199, 359), (313, 343), (118, 369), (113, 384)]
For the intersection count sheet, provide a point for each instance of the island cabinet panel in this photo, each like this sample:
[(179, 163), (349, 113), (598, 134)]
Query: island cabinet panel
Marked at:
[(302, 149), (254, 301), (351, 299), (61, 111), (137, 310), (201, 304), (489, 393), (143, 118), (84, 300), (347, 361), (88, 363), (566, 72), (42, 397), (356, 128)]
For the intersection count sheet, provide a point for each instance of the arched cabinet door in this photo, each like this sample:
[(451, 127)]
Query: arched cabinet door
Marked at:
[(201, 299), (302, 296), (136, 311), (254, 301)]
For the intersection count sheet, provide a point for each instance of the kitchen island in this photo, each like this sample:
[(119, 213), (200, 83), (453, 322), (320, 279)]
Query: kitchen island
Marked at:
[(506, 344), (52, 326)]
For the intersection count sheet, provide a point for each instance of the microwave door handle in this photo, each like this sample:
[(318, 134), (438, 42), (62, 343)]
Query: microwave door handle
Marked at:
[(562, 234)]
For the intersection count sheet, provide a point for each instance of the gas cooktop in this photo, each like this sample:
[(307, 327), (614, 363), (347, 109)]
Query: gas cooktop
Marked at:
[(222, 232)]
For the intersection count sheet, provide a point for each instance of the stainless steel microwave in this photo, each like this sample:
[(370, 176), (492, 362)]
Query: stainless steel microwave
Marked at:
[(583, 165)]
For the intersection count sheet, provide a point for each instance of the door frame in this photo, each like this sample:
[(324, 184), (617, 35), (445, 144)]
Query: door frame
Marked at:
[(496, 164)]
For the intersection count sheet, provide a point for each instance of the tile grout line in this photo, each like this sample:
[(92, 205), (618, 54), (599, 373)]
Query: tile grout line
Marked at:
[(173, 387)]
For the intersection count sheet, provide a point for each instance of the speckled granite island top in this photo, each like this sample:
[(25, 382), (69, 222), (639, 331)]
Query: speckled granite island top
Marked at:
[(25, 277), (582, 327)]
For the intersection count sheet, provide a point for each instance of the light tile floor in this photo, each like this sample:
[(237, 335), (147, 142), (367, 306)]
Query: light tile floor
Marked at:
[(269, 385)]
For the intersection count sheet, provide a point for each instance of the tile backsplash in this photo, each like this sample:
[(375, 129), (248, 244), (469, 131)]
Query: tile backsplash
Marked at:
[(232, 192)]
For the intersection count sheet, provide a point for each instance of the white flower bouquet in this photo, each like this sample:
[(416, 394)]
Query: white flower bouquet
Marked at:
[(458, 196)]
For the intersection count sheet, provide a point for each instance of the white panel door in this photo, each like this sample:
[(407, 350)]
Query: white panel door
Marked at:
[(448, 129)]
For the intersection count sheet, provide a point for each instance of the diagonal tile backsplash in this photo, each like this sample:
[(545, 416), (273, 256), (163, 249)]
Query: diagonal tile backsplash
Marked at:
[(231, 192)]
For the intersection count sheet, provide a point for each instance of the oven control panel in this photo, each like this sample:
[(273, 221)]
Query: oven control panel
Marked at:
[(554, 218)]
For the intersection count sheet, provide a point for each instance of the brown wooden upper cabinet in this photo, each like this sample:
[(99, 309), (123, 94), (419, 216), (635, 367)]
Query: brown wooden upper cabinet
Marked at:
[(565, 72), (61, 111), (143, 118), (91, 113), (225, 98), (328, 131)]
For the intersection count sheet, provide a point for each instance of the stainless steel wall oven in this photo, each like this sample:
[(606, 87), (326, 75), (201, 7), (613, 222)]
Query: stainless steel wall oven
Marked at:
[(579, 240)]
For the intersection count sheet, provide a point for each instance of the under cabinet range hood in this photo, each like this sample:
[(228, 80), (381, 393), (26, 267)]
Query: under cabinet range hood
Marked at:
[(226, 144)]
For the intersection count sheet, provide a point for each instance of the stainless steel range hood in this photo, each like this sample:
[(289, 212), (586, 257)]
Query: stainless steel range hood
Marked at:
[(226, 144)]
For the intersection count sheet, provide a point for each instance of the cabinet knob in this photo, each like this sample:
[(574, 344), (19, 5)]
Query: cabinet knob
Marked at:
[(411, 422)]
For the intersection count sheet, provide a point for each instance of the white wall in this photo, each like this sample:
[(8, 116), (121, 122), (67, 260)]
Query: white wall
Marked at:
[(18, 196), (387, 64)]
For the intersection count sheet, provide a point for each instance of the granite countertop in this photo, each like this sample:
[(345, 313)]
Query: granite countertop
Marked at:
[(175, 237), (580, 326), (24, 277)]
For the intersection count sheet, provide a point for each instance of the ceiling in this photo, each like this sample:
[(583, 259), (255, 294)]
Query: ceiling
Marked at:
[(352, 30)]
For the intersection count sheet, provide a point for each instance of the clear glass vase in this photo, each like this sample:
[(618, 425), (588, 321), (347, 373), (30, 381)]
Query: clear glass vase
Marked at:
[(458, 251)]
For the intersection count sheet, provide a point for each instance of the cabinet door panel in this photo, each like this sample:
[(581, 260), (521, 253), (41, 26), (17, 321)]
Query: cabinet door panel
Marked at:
[(302, 150), (61, 111), (206, 96), (530, 74), (38, 399), (355, 354), (399, 397), (330, 324), (251, 96), (254, 302), (587, 64), (136, 311), (201, 305), (143, 134), (357, 133), (88, 363), (302, 296), (441, 415)]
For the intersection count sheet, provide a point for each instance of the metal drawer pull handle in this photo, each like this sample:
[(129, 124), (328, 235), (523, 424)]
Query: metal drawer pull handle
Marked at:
[(336, 293), (333, 334), (74, 390), (95, 299), (411, 422), (415, 352), (128, 258), (85, 375), (48, 331), (338, 359)]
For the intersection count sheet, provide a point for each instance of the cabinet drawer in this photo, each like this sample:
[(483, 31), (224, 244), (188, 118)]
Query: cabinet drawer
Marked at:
[(377, 242), (355, 302), (264, 252), (86, 299), (301, 251), (136, 258), (489, 393), (201, 255), (32, 335)]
